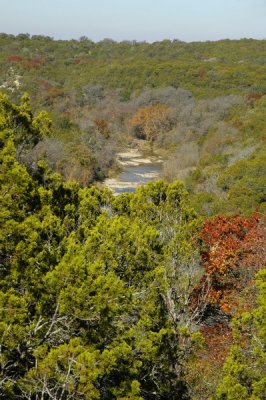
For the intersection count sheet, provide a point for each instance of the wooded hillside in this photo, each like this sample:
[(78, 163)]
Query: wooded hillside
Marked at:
[(152, 295), (202, 103)]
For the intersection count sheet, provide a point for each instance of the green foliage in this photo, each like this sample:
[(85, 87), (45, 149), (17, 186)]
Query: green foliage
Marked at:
[(213, 114), (94, 289), (207, 68), (97, 293), (244, 184), (244, 369), (27, 130), (229, 178)]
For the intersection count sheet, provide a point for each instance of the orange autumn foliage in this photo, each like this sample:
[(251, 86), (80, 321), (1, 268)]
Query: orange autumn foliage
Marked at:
[(150, 120), (102, 127), (233, 249)]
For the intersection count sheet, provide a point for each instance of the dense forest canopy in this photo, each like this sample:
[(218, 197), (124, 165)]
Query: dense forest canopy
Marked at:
[(206, 68), (152, 295)]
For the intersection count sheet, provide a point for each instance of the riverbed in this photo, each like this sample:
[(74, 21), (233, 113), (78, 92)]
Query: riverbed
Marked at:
[(138, 168)]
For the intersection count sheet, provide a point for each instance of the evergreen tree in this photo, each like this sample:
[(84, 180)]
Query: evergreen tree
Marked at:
[(244, 369)]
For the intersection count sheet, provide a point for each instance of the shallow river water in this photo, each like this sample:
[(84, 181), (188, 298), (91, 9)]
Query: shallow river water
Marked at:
[(138, 169)]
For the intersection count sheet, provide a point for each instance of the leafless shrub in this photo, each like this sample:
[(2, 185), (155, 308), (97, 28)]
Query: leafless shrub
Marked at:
[(186, 157), (219, 142), (170, 96)]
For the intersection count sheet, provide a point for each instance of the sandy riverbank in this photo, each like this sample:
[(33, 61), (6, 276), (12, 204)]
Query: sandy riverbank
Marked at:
[(139, 167)]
